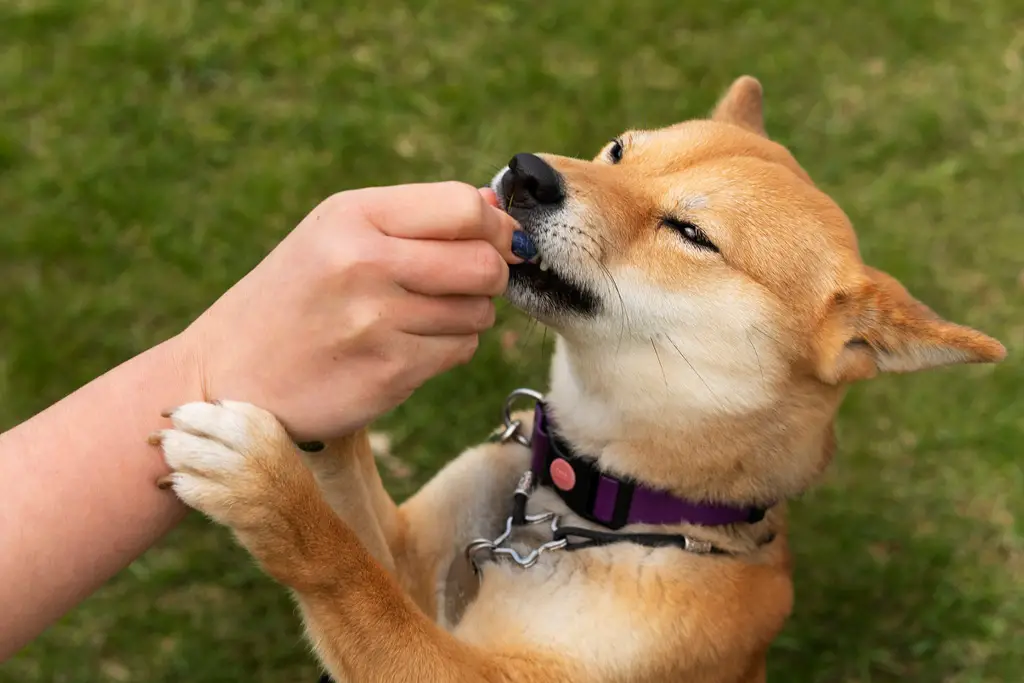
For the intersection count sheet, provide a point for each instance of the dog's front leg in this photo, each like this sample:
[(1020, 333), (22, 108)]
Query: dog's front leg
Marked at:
[(346, 473), (419, 541), (235, 463)]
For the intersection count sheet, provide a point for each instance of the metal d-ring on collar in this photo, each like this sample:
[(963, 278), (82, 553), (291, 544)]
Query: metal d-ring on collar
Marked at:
[(512, 430)]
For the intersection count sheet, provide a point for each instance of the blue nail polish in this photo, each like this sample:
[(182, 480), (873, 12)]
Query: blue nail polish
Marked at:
[(523, 246)]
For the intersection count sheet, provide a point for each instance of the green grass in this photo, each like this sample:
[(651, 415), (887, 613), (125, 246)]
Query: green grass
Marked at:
[(152, 152)]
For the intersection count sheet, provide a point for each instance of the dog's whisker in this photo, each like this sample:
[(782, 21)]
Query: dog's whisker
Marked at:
[(757, 356), (543, 344), (624, 323), (608, 243), (530, 329), (699, 376), (761, 331), (660, 364)]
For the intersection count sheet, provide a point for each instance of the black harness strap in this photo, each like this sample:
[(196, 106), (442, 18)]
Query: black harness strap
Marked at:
[(595, 539)]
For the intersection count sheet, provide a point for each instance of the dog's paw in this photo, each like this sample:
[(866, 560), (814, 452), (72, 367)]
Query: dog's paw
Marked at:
[(228, 460)]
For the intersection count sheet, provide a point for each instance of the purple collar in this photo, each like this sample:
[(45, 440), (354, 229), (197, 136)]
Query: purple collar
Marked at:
[(614, 502)]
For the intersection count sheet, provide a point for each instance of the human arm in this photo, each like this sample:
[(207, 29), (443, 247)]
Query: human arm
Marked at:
[(373, 293), (77, 500)]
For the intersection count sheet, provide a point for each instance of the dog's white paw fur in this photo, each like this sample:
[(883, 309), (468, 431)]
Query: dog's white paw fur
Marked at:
[(221, 456)]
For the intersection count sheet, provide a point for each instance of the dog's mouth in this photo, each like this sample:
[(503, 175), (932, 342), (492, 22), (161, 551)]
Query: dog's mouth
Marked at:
[(540, 278), (544, 287), (553, 283)]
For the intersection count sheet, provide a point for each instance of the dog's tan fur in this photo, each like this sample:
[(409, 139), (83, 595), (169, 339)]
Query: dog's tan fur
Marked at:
[(714, 375)]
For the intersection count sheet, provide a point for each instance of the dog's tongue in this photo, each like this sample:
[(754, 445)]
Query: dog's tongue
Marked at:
[(523, 246)]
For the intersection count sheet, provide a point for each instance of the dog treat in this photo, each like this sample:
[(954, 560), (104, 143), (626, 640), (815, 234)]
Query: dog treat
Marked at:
[(523, 246)]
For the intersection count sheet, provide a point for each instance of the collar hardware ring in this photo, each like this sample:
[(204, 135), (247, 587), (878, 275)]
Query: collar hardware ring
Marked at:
[(512, 427)]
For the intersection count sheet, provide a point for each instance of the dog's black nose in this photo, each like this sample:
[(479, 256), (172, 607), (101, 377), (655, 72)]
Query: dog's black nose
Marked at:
[(531, 178)]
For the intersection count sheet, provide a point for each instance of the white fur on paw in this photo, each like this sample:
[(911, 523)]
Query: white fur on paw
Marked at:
[(234, 424), (212, 450), (202, 494), (185, 452)]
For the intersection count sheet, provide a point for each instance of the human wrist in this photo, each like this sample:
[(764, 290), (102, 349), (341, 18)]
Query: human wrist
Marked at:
[(180, 360)]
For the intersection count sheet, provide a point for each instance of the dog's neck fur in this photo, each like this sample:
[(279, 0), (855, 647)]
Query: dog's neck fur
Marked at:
[(657, 434)]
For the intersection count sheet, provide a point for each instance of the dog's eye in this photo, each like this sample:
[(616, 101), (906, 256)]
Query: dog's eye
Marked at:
[(615, 151), (690, 232)]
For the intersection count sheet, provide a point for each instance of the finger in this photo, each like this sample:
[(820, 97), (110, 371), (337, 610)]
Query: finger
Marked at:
[(489, 196), (434, 268), (507, 225), (442, 316), (504, 228), (441, 211)]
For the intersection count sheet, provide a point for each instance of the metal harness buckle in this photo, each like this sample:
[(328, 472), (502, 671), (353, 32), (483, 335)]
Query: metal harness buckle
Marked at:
[(496, 547)]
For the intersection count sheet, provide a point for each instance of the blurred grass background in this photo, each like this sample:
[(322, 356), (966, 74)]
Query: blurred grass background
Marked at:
[(151, 153)]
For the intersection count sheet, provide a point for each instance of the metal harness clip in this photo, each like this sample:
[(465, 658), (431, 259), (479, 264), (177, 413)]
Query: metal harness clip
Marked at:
[(496, 547)]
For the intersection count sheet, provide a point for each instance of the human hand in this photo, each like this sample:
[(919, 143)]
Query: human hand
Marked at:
[(374, 292)]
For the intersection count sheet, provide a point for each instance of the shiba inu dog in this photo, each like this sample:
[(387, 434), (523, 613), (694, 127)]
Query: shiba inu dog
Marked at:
[(711, 307)]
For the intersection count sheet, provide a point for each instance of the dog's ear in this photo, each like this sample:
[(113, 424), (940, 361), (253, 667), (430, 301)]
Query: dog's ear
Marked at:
[(741, 105), (880, 327)]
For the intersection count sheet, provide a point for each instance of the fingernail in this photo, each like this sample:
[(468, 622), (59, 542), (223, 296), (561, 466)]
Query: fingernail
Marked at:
[(489, 196), (523, 246)]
